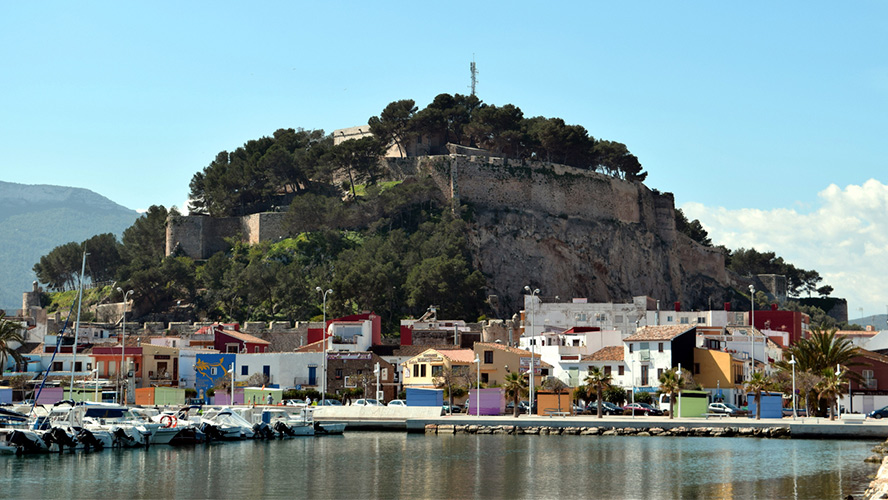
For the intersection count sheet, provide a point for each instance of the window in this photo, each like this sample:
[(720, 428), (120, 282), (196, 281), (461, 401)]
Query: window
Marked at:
[(696, 368), (701, 319), (607, 370), (581, 317), (630, 348), (416, 370), (659, 373), (422, 370), (576, 342), (214, 371), (256, 348), (338, 374), (348, 382), (544, 372), (484, 378), (621, 370), (89, 366), (669, 319), (660, 347), (232, 348), (245, 370), (437, 370), (57, 366), (488, 357)]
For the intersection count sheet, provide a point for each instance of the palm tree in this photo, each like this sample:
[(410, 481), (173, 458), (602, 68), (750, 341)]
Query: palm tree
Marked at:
[(10, 332), (598, 381), (822, 351), (670, 384), (515, 385), (557, 386), (756, 384), (829, 388)]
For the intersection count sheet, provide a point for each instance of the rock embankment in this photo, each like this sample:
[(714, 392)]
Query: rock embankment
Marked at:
[(766, 432), (878, 488)]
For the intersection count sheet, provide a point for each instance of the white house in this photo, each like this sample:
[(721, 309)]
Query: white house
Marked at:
[(655, 349), (285, 369)]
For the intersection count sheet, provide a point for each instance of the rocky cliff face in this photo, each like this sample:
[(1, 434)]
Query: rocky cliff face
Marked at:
[(573, 233)]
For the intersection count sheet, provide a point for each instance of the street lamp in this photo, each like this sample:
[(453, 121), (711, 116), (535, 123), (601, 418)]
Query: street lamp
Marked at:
[(793, 363), (324, 349), (123, 345), (532, 345), (478, 388), (839, 386), (751, 330)]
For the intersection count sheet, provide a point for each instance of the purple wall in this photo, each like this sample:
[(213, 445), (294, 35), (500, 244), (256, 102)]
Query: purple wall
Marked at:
[(51, 395), (492, 401), (224, 398)]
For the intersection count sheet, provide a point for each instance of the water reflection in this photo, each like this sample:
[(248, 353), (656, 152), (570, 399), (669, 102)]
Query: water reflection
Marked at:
[(390, 465)]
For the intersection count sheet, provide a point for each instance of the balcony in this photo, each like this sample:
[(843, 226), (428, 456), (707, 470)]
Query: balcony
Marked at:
[(644, 355)]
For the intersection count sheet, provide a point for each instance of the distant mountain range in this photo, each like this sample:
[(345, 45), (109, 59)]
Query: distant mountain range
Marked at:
[(34, 219), (878, 321)]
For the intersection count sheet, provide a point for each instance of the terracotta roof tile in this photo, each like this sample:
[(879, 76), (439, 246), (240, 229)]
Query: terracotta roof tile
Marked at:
[(609, 353), (245, 337), (662, 332), (459, 355), (502, 347)]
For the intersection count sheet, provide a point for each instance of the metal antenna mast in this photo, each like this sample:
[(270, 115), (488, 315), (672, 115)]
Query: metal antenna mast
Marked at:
[(474, 71)]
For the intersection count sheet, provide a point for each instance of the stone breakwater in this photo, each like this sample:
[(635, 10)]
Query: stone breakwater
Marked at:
[(878, 488), (761, 432)]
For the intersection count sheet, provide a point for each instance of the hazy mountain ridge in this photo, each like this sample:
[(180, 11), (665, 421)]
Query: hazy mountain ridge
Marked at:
[(37, 218)]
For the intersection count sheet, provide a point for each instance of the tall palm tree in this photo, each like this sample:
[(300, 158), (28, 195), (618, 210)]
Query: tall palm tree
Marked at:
[(822, 351), (515, 385), (756, 384), (829, 388), (670, 384), (10, 332), (598, 381)]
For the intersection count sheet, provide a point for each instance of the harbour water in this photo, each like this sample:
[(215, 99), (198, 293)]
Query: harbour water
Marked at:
[(395, 465)]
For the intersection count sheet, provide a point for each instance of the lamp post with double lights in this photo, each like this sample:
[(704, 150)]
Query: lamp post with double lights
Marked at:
[(123, 346), (324, 348), (532, 371), (751, 330), (477, 388), (793, 363)]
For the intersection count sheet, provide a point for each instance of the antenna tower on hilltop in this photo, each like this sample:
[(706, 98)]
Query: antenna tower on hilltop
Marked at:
[(474, 71)]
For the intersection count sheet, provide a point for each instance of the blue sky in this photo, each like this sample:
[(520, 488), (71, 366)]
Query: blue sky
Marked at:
[(758, 116)]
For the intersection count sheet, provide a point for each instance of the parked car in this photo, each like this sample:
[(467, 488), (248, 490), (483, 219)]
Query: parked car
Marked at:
[(330, 402), (522, 407), (367, 402), (643, 409), (293, 402), (877, 414), (451, 409), (726, 408), (606, 408), (397, 402)]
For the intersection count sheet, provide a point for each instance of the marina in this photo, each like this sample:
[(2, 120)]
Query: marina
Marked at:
[(402, 465)]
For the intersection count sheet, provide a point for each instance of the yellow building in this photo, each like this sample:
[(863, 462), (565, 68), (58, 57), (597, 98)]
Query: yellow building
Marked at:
[(717, 369), (497, 360), (422, 370)]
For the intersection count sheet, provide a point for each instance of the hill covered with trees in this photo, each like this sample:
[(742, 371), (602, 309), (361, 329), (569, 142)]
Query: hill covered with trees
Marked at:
[(393, 247)]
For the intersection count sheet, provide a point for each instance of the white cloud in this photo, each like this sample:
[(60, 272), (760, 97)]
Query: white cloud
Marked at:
[(844, 237)]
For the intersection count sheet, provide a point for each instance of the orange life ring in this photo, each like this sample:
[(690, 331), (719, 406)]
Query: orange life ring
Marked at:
[(169, 421)]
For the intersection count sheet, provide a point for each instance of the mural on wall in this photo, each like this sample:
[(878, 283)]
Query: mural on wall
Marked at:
[(210, 368)]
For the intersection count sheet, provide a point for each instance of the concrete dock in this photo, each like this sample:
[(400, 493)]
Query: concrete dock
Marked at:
[(415, 419)]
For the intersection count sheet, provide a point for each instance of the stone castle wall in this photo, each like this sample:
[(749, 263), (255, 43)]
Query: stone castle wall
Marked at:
[(200, 236)]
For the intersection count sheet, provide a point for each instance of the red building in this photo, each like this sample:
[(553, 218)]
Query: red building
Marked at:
[(793, 322), (316, 334), (235, 341)]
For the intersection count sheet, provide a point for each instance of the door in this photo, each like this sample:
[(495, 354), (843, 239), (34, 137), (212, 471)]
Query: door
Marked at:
[(644, 375), (312, 375)]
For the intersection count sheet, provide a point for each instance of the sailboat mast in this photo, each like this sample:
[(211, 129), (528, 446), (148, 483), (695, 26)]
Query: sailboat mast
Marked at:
[(77, 326)]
